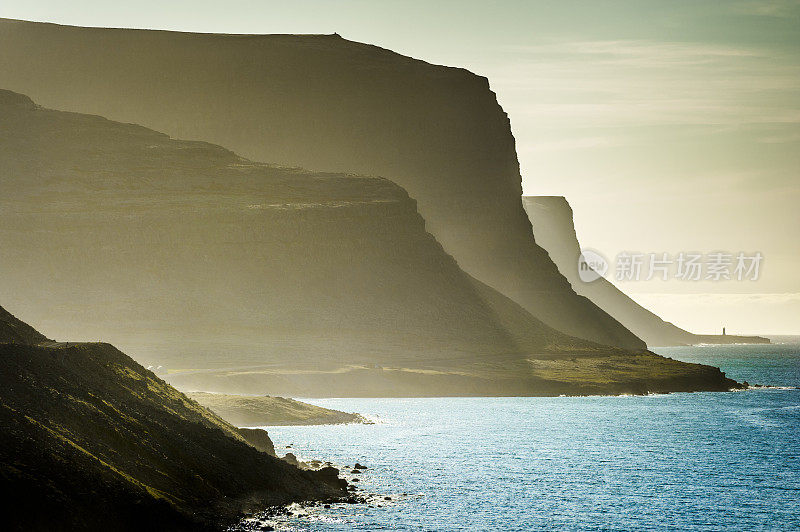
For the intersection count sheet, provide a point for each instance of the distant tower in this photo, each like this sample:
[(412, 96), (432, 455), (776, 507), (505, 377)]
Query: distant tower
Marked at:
[(723, 331)]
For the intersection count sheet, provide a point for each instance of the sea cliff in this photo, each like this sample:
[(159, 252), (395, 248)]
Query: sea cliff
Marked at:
[(235, 276), (324, 103), (552, 220)]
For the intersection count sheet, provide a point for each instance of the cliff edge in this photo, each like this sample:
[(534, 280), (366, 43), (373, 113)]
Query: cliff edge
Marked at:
[(228, 275), (229, 272), (325, 103)]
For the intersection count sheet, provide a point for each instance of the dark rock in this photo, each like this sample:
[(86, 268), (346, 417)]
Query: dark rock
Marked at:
[(258, 438), (330, 475), (13, 100), (290, 458)]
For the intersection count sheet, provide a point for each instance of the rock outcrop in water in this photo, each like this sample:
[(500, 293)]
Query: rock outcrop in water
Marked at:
[(90, 440), (322, 102), (258, 438), (552, 221), (243, 277)]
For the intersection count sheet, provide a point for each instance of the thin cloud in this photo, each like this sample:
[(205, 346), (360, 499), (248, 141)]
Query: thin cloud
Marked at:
[(638, 82), (581, 143), (767, 8), (647, 51)]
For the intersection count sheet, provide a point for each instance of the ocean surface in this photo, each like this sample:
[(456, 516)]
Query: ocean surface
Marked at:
[(699, 461)]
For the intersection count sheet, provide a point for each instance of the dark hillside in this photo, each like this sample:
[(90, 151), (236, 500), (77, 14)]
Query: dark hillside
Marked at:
[(90, 440)]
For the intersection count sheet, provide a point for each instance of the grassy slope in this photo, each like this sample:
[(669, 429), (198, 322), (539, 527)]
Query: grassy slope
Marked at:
[(251, 411)]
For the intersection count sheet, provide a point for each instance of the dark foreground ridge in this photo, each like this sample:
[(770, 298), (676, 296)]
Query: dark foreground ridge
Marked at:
[(90, 440)]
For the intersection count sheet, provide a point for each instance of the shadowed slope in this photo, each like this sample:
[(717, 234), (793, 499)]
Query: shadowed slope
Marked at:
[(192, 257), (323, 102), (242, 277), (90, 440)]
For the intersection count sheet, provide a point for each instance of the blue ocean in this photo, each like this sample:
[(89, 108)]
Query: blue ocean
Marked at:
[(684, 461)]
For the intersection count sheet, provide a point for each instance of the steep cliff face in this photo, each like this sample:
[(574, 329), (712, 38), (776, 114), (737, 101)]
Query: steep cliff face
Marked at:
[(552, 221), (323, 102), (196, 259), (90, 440), (247, 278)]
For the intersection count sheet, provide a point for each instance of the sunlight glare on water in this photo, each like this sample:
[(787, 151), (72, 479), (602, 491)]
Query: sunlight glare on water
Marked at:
[(700, 461)]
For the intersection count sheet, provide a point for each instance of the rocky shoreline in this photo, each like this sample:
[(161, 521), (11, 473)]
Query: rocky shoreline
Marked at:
[(91, 440), (286, 516)]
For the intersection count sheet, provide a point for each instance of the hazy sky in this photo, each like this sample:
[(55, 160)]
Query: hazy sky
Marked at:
[(669, 125)]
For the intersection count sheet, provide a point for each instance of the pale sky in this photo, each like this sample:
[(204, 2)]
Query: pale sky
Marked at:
[(669, 126)]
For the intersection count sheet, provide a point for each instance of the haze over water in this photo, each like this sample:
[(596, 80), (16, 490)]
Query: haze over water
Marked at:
[(686, 461)]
